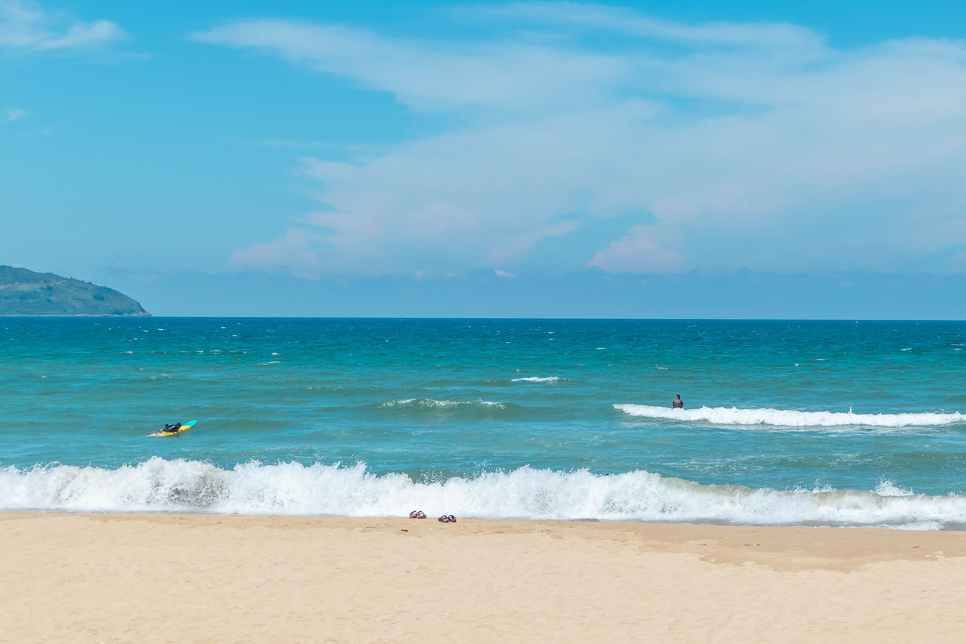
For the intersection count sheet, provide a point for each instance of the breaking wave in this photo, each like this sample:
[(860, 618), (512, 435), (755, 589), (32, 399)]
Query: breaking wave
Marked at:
[(292, 488), (536, 379), (429, 403), (787, 418)]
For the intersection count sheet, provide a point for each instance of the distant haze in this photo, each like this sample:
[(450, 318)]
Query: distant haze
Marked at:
[(588, 294)]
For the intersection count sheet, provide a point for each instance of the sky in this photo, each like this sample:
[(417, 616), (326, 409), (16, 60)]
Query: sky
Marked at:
[(178, 149)]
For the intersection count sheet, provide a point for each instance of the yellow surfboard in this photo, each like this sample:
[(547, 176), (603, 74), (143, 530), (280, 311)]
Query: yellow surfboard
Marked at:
[(188, 425)]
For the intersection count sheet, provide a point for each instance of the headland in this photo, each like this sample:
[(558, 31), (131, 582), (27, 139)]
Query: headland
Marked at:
[(24, 292)]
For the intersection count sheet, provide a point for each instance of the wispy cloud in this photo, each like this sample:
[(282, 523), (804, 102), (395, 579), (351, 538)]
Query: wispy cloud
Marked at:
[(298, 253), (596, 17), (752, 145), (431, 75), (27, 27), (14, 113)]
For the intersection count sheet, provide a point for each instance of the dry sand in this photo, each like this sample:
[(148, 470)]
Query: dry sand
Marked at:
[(220, 578)]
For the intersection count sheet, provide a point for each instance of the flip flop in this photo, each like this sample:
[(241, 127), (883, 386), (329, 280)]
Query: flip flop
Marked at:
[(412, 515), (444, 519), (420, 515), (451, 518)]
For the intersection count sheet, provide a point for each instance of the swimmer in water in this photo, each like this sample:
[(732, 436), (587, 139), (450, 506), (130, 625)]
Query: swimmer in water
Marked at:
[(678, 403)]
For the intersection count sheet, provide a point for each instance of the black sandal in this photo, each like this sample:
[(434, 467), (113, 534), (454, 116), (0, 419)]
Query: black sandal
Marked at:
[(451, 518), (412, 515), (444, 519), (420, 515)]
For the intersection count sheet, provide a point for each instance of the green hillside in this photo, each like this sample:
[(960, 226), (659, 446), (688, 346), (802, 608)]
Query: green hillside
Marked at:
[(24, 292)]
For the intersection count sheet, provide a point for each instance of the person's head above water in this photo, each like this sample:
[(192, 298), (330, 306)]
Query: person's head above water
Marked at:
[(678, 396)]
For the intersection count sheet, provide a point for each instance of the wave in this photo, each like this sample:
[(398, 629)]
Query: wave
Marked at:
[(788, 418), (429, 403), (536, 379), (292, 488)]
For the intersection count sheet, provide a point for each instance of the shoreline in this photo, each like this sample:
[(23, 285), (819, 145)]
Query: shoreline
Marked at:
[(220, 577), (142, 514)]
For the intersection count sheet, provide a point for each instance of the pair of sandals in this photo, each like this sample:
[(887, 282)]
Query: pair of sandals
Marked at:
[(419, 514)]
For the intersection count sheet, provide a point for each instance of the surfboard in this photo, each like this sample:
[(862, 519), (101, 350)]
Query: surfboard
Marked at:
[(188, 425)]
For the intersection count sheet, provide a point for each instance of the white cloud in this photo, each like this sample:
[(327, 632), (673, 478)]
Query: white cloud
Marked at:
[(753, 144), (428, 75), (635, 253), (297, 253), (26, 27), (14, 113), (618, 19)]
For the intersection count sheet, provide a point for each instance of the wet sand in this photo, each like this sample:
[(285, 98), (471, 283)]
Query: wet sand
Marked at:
[(224, 578)]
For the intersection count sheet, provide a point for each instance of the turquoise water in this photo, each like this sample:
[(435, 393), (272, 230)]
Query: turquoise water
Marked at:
[(815, 423)]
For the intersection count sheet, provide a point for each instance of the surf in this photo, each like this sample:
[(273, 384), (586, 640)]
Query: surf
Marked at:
[(791, 418), (292, 488)]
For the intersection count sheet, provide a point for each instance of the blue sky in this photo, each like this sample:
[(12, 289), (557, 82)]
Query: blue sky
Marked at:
[(425, 141)]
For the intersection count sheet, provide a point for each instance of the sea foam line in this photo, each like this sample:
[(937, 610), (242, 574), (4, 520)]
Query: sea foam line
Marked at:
[(526, 493), (536, 379), (424, 403), (790, 418)]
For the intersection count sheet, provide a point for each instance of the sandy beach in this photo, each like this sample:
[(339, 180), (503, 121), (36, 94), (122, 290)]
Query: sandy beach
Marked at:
[(226, 578)]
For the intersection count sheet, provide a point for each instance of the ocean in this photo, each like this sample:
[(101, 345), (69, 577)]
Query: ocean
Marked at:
[(844, 423)]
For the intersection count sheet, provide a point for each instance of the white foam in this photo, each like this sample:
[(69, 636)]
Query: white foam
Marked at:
[(291, 488), (536, 379), (790, 418), (888, 488), (430, 403)]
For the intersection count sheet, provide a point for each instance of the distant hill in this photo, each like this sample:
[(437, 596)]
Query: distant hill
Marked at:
[(24, 292)]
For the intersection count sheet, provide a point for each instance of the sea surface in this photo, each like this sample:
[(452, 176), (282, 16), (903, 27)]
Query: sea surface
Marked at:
[(786, 422)]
